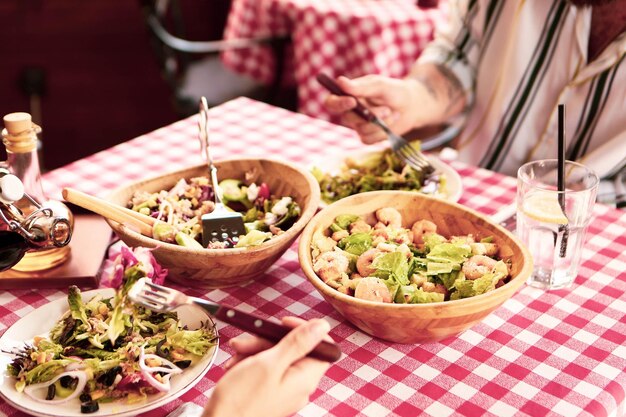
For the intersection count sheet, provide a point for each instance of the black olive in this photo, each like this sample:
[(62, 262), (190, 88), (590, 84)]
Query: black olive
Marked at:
[(68, 382), (108, 377), (84, 397), (162, 352), (89, 407), (52, 391), (183, 364)]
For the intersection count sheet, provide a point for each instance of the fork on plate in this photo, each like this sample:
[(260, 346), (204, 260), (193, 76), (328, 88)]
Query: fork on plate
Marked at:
[(163, 299), (401, 147)]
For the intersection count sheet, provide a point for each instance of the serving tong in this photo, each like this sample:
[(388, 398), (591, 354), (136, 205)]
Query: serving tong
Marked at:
[(400, 146), (163, 299), (220, 225)]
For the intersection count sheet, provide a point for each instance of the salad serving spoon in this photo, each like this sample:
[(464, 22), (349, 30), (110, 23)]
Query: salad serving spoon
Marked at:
[(221, 224)]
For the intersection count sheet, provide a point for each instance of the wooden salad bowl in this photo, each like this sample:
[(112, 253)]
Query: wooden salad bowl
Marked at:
[(215, 268), (417, 323)]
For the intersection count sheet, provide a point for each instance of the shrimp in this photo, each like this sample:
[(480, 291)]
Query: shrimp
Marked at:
[(403, 236), (386, 247), (381, 232), (372, 289), (364, 262), (477, 266), (331, 266), (359, 226), (432, 287), (389, 217), (420, 228), (340, 234), (484, 248), (419, 280)]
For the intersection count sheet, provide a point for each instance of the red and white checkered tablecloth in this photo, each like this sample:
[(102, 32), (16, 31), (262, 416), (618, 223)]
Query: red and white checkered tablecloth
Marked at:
[(349, 37), (539, 354)]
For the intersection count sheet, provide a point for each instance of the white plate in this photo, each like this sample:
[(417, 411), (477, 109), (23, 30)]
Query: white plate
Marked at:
[(40, 321), (454, 186)]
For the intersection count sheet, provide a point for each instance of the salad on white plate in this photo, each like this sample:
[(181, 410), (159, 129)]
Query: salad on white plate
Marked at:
[(365, 170), (105, 350)]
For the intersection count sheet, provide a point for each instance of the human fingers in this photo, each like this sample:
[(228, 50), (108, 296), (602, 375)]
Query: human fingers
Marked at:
[(305, 373), (299, 342), (291, 321), (248, 345), (357, 123), (244, 346), (302, 378), (339, 104), (368, 132), (368, 86)]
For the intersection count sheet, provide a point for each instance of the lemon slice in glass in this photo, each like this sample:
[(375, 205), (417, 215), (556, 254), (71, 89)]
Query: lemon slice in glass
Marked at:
[(544, 207)]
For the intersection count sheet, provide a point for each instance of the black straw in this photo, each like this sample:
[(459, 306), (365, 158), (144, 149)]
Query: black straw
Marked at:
[(561, 178)]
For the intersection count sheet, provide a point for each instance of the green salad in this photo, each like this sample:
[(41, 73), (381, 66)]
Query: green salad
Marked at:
[(109, 349), (180, 210), (386, 262), (378, 171)]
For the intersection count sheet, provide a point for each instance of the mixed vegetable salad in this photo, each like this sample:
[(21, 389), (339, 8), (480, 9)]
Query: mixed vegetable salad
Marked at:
[(386, 262), (107, 349), (180, 210), (378, 171)]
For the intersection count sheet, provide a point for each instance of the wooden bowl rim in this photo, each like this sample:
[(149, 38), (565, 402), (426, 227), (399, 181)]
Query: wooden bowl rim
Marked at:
[(304, 255), (306, 214)]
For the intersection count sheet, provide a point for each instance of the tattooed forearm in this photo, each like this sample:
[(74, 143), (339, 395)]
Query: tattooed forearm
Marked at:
[(427, 82), (453, 87), (442, 86)]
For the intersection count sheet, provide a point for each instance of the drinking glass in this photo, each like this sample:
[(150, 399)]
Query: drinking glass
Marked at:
[(552, 223)]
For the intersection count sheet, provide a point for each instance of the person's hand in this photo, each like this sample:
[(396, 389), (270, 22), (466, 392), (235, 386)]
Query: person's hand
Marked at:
[(395, 101), (266, 380), (430, 95)]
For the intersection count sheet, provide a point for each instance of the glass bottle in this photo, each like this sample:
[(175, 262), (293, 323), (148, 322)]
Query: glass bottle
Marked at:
[(20, 139)]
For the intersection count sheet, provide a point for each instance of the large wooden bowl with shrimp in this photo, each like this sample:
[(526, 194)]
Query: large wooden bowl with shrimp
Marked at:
[(416, 323)]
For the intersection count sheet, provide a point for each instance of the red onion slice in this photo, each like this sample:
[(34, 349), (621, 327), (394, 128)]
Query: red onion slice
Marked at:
[(148, 371), (82, 381)]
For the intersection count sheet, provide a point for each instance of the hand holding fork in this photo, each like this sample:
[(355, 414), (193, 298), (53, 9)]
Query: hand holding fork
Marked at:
[(162, 299), (399, 145)]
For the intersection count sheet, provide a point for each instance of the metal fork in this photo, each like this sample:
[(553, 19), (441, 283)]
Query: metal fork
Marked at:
[(163, 299), (399, 145)]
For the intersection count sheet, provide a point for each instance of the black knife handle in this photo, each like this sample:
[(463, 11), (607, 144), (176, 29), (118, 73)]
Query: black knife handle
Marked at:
[(274, 332), (332, 86)]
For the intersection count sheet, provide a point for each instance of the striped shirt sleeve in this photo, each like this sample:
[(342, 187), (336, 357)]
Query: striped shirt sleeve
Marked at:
[(456, 44)]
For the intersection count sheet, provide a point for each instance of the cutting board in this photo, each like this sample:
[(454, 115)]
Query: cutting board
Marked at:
[(90, 239)]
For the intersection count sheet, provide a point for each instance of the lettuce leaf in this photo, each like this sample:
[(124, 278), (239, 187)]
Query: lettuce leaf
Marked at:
[(197, 342), (343, 221), (46, 371), (357, 243), (253, 238), (392, 265), (420, 297), (449, 252)]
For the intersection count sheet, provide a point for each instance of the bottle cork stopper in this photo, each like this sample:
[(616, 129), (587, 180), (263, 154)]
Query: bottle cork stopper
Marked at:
[(16, 123)]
